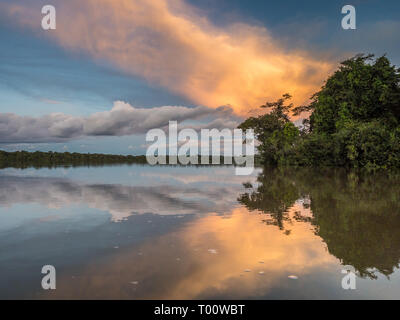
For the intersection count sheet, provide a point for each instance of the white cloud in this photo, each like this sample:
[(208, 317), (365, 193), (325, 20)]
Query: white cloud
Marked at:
[(123, 119)]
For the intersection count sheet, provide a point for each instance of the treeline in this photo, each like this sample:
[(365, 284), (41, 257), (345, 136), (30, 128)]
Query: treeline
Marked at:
[(24, 159), (353, 121), (38, 159)]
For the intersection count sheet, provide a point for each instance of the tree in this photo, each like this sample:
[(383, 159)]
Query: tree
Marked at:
[(361, 90), (354, 120), (274, 130)]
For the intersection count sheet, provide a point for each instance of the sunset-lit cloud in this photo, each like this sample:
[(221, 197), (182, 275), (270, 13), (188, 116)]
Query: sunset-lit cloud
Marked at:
[(173, 45)]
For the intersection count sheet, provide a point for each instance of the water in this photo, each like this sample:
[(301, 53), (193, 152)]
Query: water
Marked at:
[(141, 232)]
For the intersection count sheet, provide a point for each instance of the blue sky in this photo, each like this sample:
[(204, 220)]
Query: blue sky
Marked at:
[(39, 76)]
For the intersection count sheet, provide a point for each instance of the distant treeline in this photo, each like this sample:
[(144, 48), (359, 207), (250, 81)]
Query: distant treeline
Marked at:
[(38, 159), (24, 159)]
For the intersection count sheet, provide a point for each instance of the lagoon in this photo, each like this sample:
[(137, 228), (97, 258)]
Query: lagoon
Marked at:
[(175, 232)]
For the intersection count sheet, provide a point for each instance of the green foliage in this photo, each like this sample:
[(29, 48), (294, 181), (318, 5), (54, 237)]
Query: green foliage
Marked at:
[(23, 159), (274, 130), (354, 121), (361, 90)]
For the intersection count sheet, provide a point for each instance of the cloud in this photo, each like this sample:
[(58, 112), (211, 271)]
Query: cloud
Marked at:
[(119, 200), (50, 101), (173, 45), (49, 128), (380, 37), (123, 119)]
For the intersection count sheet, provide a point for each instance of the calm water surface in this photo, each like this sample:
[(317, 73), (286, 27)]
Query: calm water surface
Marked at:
[(141, 232)]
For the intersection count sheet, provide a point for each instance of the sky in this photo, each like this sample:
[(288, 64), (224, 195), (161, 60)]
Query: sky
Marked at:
[(114, 69)]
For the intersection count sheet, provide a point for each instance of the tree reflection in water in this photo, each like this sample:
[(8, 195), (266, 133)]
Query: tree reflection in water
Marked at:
[(357, 214)]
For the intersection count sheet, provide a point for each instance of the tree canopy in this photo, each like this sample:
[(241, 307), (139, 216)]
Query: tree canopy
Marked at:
[(353, 120)]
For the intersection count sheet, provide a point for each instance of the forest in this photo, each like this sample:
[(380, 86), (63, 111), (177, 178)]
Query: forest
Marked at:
[(38, 159), (353, 121), (24, 159)]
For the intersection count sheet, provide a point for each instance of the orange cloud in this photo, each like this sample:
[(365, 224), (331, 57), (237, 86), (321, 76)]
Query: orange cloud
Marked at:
[(171, 44)]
